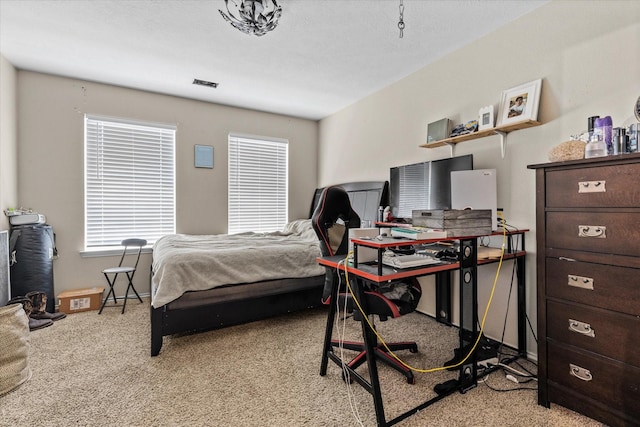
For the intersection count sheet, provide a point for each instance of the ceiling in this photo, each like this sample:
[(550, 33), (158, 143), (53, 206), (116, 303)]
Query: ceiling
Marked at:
[(323, 56)]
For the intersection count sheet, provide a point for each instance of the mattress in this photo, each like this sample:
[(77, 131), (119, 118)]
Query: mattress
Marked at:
[(186, 263)]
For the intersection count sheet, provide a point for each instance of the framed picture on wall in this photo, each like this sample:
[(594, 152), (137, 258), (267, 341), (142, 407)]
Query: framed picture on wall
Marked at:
[(485, 118), (520, 103)]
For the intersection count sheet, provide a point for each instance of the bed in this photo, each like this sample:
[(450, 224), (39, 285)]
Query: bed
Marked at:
[(200, 283)]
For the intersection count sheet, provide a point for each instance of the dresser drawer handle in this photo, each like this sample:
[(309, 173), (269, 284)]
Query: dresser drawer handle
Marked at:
[(596, 231), (592, 187), (581, 328), (580, 282), (580, 373)]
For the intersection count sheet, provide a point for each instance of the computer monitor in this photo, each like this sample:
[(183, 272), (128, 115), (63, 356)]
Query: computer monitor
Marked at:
[(423, 186)]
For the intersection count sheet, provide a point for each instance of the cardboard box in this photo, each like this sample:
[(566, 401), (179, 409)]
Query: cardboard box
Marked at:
[(456, 222), (79, 300)]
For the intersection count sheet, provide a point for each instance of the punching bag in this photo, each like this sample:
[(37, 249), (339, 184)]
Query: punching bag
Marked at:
[(31, 251)]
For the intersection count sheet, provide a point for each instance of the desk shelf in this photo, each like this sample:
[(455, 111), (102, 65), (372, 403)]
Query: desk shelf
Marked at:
[(498, 130), (369, 270), (381, 273)]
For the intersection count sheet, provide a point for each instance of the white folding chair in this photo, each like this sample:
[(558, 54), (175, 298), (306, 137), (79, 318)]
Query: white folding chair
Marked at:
[(111, 274)]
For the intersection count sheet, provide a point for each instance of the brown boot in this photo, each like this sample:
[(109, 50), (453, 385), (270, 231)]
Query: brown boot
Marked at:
[(39, 302), (27, 306)]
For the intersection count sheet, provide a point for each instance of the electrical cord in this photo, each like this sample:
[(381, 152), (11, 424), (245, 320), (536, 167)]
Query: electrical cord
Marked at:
[(491, 367), (484, 381), (341, 335), (528, 375), (535, 337), (506, 314), (475, 344), (527, 370)]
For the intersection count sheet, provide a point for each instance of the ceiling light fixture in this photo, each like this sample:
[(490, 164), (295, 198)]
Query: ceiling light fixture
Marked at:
[(256, 17), (401, 21)]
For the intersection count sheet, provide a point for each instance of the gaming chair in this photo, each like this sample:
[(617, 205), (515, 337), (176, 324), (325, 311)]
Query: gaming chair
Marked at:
[(331, 221)]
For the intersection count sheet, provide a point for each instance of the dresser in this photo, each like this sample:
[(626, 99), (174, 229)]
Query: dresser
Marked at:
[(588, 286)]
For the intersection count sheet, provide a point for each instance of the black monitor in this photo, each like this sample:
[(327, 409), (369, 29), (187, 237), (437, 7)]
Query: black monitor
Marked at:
[(423, 186)]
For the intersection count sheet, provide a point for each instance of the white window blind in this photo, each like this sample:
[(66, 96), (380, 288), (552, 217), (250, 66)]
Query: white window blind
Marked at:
[(129, 181), (258, 181)]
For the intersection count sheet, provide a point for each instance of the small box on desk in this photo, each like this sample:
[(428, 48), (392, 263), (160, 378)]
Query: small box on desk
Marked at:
[(456, 222), (79, 300)]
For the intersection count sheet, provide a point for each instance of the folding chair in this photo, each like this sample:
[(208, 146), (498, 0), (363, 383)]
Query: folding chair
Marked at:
[(111, 274)]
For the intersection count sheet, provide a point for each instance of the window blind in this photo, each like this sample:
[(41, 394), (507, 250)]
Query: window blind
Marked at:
[(258, 184), (129, 181)]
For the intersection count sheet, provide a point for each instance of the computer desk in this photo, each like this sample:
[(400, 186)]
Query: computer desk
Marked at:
[(466, 265)]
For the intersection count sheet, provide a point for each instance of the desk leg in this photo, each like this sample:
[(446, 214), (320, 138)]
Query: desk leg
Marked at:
[(468, 311), (522, 306)]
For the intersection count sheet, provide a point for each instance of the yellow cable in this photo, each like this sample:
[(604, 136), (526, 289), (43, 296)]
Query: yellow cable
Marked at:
[(475, 344)]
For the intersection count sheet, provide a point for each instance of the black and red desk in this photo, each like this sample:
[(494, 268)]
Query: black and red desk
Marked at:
[(466, 266)]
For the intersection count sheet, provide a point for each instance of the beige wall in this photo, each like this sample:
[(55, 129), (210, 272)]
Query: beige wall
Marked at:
[(586, 52), (8, 140), (588, 55), (50, 151)]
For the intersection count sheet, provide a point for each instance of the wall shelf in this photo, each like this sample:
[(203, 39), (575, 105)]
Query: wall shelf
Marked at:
[(499, 130)]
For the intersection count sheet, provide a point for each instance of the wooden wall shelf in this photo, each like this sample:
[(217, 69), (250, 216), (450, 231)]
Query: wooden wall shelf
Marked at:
[(499, 130)]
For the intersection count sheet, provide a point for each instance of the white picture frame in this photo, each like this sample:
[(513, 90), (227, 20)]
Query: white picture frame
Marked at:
[(520, 103), (485, 118)]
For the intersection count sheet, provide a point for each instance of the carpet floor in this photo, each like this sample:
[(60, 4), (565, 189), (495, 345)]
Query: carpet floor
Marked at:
[(95, 370)]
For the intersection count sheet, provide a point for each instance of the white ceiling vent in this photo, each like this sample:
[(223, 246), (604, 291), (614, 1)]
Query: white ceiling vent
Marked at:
[(205, 83)]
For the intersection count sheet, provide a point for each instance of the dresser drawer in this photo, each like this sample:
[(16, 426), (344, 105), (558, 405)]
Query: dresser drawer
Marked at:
[(606, 186), (603, 232), (604, 332), (605, 286), (611, 383)]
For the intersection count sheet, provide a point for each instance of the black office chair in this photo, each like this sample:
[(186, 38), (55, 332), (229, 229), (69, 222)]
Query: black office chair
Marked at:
[(331, 221), (111, 274)]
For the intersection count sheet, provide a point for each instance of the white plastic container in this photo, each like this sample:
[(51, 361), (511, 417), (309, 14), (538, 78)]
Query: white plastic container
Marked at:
[(595, 148)]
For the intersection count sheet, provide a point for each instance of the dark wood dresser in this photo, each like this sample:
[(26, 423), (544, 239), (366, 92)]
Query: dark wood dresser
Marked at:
[(588, 286)]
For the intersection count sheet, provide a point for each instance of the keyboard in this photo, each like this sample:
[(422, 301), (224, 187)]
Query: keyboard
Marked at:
[(408, 261)]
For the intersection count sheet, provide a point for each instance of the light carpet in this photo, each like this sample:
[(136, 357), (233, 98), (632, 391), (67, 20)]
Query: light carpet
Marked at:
[(95, 370)]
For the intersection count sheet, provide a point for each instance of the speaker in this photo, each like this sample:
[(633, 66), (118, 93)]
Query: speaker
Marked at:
[(438, 130), (5, 294)]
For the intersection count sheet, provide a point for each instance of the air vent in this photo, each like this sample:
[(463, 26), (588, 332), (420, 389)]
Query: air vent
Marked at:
[(205, 83)]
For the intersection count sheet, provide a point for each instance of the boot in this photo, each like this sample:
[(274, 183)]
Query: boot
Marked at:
[(27, 306), (39, 302)]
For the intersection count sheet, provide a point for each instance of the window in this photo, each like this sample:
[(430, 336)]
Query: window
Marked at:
[(258, 177), (129, 181)]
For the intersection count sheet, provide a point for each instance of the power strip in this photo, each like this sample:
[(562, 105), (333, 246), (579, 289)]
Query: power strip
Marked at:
[(488, 362)]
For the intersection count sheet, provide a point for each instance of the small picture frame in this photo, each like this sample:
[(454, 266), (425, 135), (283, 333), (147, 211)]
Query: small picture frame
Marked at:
[(203, 156), (485, 118), (520, 103)]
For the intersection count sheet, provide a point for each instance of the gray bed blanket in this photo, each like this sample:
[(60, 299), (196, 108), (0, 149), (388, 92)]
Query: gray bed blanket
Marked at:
[(184, 262)]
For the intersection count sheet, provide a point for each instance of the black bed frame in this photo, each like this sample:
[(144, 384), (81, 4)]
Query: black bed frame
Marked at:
[(366, 197)]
